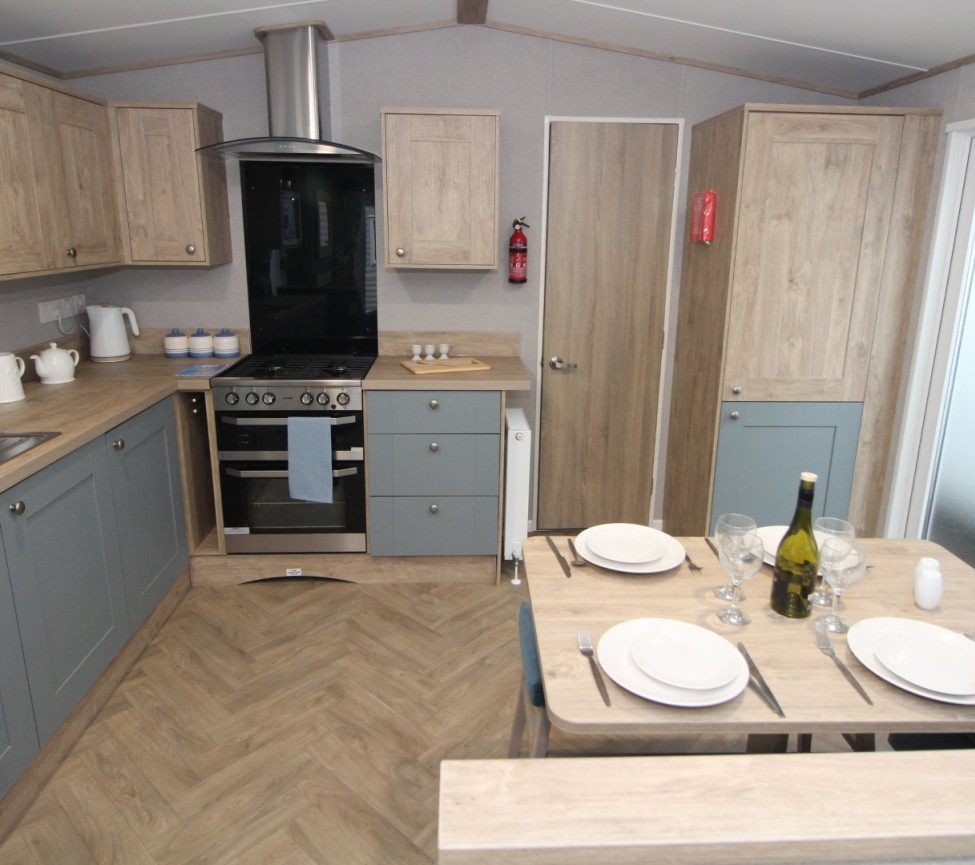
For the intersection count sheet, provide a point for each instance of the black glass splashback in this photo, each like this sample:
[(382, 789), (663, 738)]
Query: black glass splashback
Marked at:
[(310, 246)]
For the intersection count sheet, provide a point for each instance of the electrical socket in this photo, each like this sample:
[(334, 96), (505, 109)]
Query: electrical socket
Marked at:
[(65, 307), (47, 310)]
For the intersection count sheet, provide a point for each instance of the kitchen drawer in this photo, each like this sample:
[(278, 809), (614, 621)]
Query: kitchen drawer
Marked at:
[(436, 411), (433, 525), (422, 464)]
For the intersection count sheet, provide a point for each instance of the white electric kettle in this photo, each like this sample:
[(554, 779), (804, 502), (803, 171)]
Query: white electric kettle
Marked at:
[(109, 341)]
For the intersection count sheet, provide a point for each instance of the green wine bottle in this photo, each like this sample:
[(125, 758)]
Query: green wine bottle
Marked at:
[(797, 560)]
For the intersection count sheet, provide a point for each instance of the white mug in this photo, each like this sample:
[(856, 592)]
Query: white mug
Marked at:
[(11, 370)]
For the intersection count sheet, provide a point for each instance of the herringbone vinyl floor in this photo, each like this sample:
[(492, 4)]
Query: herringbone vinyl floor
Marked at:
[(290, 723)]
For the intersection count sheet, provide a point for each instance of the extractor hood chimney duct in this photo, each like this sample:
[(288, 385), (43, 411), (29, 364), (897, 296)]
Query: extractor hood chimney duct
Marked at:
[(294, 110)]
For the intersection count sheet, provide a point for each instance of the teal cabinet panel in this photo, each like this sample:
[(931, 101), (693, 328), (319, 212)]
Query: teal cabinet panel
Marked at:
[(434, 525), (143, 459), (763, 447), (66, 577), (420, 464), (422, 411), (18, 734)]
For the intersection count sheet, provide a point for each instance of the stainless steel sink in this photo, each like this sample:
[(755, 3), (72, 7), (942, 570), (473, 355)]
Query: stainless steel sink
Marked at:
[(14, 444)]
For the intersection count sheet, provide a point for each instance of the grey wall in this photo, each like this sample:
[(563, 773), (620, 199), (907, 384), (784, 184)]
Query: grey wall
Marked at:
[(526, 78)]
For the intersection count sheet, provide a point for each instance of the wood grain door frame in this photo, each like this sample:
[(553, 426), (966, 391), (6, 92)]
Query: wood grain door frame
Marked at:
[(663, 400)]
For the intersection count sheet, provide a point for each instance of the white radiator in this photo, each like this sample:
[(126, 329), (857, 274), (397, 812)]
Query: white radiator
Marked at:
[(517, 479)]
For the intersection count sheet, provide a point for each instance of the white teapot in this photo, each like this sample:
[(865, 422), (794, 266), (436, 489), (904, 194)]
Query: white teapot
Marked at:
[(55, 365)]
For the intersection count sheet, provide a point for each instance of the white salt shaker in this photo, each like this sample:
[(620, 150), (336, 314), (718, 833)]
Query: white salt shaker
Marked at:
[(928, 584)]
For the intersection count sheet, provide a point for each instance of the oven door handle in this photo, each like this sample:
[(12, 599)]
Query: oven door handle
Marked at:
[(353, 455), (283, 473), (234, 420)]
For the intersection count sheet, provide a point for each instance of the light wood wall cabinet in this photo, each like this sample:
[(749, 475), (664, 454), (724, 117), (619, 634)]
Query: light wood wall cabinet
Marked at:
[(173, 200), (440, 188), (58, 210), (805, 293)]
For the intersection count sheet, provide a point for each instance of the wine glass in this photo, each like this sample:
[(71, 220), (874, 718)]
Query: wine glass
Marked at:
[(844, 562), (736, 524), (741, 556), (823, 528)]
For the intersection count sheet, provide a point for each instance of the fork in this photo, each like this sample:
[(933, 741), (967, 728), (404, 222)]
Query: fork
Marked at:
[(826, 647), (692, 564), (585, 646)]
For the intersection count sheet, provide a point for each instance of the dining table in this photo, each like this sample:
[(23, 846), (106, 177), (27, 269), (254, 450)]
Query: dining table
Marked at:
[(814, 695)]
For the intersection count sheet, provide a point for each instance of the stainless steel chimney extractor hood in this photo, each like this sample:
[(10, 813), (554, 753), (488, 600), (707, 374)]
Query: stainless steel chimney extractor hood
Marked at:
[(293, 106)]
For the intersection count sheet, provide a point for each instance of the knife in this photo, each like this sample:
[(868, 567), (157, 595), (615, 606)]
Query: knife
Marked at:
[(565, 565), (756, 680), (712, 545)]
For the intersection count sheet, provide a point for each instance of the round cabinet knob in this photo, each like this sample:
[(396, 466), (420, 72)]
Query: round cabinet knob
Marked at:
[(18, 508), (72, 251), (400, 252), (190, 249), (307, 398), (735, 415), (232, 398), (434, 509), (252, 398), (736, 389), (342, 398), (118, 444), (434, 447), (434, 404)]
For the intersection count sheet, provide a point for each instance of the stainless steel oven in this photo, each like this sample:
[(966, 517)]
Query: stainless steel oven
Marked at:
[(252, 425)]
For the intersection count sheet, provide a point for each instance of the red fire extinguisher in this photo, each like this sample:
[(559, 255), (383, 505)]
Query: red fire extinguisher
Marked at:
[(518, 252)]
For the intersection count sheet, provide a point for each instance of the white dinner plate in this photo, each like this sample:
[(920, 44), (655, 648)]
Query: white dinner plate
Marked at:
[(862, 639), (616, 659), (932, 657), (685, 656), (627, 543), (671, 557)]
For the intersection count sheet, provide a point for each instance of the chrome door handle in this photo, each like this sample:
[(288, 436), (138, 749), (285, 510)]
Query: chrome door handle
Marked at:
[(558, 363), (18, 508)]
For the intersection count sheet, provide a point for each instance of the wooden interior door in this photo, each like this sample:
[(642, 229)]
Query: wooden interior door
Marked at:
[(610, 220)]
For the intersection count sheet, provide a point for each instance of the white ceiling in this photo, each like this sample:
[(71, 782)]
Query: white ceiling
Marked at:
[(839, 46)]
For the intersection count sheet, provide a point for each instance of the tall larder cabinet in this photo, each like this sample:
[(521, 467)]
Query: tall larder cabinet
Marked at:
[(800, 305)]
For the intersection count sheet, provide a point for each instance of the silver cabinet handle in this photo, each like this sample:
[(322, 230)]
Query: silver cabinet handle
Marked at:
[(118, 444), (72, 251), (434, 447), (434, 509), (434, 404), (735, 415), (190, 249), (558, 363), (400, 252), (18, 508), (736, 389)]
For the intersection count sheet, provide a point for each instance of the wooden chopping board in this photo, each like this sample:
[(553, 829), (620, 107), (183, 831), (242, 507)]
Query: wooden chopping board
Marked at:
[(447, 364)]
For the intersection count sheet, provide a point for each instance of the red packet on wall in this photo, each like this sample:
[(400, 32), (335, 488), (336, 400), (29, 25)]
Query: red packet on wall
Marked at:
[(702, 216)]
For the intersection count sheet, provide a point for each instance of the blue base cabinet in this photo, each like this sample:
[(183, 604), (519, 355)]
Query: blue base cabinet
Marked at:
[(434, 462), (18, 733), (91, 544), (763, 447)]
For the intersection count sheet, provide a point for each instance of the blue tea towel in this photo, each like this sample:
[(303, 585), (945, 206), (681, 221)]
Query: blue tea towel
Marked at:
[(310, 459)]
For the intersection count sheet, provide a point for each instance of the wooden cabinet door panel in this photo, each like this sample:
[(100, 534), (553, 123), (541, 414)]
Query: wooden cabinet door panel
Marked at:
[(89, 216), (814, 214), (161, 184), (440, 183), (22, 241)]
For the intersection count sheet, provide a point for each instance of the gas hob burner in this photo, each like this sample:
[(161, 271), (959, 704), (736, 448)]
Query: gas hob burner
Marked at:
[(301, 367)]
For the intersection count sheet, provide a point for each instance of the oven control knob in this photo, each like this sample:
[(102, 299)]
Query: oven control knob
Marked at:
[(307, 398), (268, 399), (251, 398), (323, 399), (233, 398), (342, 398)]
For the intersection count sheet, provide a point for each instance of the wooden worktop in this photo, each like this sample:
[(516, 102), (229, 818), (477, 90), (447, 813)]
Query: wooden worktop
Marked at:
[(102, 396), (506, 373)]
